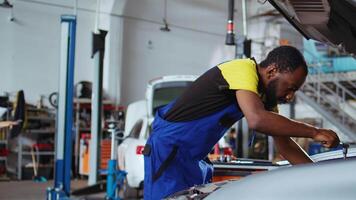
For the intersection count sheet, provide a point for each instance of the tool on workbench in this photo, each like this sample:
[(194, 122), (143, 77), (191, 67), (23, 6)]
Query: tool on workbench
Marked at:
[(345, 148)]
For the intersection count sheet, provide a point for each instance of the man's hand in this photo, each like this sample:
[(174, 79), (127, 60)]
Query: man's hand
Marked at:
[(327, 138)]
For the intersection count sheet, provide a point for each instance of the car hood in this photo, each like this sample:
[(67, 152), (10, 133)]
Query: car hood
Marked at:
[(327, 181), (328, 21), (198, 192)]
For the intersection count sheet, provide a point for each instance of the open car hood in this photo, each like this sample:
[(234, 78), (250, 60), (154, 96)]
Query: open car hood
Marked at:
[(326, 180), (328, 21)]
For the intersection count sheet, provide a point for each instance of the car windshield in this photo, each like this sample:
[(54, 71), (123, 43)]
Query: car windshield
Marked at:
[(135, 131), (166, 92)]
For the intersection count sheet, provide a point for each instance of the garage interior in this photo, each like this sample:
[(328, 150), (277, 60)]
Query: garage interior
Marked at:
[(82, 80)]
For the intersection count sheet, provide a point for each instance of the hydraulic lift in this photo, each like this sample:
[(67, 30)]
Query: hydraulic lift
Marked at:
[(64, 124)]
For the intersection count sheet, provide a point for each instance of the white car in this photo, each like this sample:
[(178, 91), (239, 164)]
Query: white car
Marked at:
[(139, 117)]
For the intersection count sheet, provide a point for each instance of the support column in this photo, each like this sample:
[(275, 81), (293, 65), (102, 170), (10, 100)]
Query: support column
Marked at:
[(65, 110), (96, 129)]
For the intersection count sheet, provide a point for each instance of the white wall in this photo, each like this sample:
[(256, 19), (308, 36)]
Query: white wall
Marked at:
[(175, 52), (6, 50), (31, 43), (191, 47)]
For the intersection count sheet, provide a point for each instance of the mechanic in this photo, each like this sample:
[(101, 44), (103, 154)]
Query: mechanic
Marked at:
[(186, 130)]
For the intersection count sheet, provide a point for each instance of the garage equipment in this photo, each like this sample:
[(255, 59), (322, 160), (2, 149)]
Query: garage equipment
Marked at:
[(98, 56), (61, 189), (345, 148), (115, 178), (230, 36)]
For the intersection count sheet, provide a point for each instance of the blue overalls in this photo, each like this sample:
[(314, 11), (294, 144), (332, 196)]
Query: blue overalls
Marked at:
[(175, 151)]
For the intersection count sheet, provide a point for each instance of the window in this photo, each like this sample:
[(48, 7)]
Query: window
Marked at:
[(136, 130), (167, 92)]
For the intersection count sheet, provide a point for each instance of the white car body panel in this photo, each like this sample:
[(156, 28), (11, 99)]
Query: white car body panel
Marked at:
[(327, 181), (133, 163), (332, 177), (134, 112)]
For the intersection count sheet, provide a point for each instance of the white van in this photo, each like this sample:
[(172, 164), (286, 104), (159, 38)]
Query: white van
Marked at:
[(139, 117)]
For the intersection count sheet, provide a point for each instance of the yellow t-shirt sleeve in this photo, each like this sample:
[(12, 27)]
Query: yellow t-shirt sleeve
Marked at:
[(240, 74)]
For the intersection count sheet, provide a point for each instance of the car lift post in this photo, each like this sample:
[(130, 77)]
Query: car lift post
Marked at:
[(98, 51), (64, 124)]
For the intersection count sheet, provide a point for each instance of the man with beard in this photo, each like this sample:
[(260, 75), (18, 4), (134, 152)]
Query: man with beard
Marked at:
[(185, 131)]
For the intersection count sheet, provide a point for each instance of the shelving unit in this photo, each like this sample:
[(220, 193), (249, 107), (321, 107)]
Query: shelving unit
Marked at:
[(4, 137), (4, 134), (21, 153), (82, 116), (39, 134)]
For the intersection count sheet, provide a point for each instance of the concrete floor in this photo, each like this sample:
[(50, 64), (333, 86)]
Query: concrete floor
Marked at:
[(29, 190)]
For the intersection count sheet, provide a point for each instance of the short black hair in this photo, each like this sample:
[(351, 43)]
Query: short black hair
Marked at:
[(286, 59)]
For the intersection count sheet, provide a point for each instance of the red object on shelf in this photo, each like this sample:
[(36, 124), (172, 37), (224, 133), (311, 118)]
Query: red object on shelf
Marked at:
[(85, 136), (43, 146), (2, 169), (105, 106), (4, 152)]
